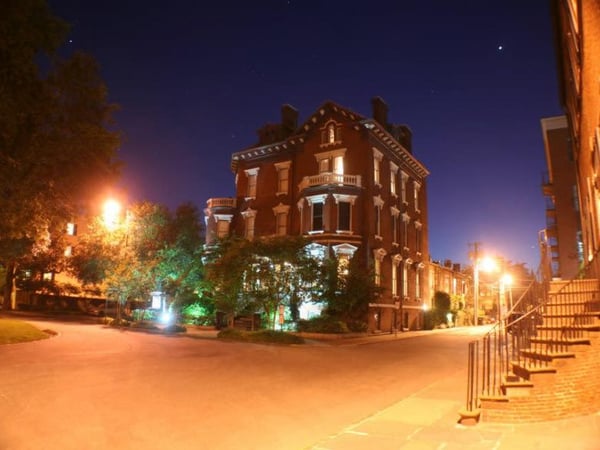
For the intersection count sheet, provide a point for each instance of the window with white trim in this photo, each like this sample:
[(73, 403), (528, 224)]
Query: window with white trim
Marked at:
[(249, 218), (283, 176), (403, 184), (378, 203), (222, 228), (252, 175), (395, 214), (405, 222), (281, 219), (393, 178), (416, 189), (338, 165), (405, 279), (317, 216), (418, 283), (377, 158), (377, 272), (331, 134), (344, 204), (378, 255), (394, 280), (418, 235), (331, 161)]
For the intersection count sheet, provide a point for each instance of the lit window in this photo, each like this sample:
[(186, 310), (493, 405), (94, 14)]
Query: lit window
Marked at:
[(377, 157), (405, 280), (418, 235), (403, 182), (331, 134), (338, 165), (47, 276), (71, 229), (393, 177), (249, 218), (405, 222), (417, 188), (252, 175), (394, 280), (395, 213), (377, 272), (69, 251), (249, 229), (324, 165), (418, 284), (378, 202)]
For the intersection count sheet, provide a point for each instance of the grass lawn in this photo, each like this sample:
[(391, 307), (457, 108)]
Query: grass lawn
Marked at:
[(13, 331)]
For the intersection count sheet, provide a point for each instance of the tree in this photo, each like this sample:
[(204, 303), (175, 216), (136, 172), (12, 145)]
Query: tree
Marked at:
[(226, 264), (55, 143), (281, 271), (356, 289), (149, 250)]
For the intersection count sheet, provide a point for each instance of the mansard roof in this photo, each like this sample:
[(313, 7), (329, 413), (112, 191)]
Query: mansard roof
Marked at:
[(376, 130)]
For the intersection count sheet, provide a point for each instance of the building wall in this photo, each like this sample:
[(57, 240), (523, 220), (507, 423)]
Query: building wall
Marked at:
[(562, 203), (577, 24)]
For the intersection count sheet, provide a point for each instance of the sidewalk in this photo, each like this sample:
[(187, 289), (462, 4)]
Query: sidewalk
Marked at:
[(428, 420)]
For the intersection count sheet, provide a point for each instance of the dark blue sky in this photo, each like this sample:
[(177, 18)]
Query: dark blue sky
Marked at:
[(472, 79)]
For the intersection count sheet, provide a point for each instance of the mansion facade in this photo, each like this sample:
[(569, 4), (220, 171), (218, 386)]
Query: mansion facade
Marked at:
[(349, 183)]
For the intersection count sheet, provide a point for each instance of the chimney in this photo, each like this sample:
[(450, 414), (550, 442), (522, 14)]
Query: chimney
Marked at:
[(289, 119), (380, 110)]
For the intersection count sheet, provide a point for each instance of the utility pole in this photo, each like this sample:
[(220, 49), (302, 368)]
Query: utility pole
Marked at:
[(474, 255)]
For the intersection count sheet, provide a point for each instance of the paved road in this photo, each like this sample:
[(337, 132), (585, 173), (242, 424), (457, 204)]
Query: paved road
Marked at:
[(95, 388)]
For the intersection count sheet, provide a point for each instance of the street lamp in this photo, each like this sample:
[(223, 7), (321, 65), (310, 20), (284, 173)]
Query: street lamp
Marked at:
[(485, 264), (111, 218)]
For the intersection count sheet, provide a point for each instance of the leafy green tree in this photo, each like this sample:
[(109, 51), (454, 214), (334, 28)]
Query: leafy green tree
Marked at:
[(357, 289), (55, 144), (441, 307), (226, 265), (281, 271), (149, 249)]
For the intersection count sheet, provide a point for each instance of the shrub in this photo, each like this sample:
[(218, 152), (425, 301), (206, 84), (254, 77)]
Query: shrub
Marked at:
[(322, 324), (144, 325), (262, 336), (174, 328)]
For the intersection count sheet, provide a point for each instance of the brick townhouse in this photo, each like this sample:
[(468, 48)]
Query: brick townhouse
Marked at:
[(350, 184)]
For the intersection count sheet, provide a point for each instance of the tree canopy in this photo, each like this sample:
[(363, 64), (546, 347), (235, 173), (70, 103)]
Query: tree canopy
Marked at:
[(56, 144)]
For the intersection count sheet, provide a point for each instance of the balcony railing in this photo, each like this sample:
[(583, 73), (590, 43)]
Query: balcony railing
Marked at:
[(221, 202), (330, 178)]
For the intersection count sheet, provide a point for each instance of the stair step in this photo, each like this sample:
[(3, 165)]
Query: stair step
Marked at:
[(546, 356), (527, 370), (563, 341)]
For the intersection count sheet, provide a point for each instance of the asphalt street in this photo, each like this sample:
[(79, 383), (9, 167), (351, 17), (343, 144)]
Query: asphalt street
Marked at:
[(92, 387)]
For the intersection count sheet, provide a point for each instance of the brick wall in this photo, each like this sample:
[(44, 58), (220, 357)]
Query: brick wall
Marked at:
[(573, 390)]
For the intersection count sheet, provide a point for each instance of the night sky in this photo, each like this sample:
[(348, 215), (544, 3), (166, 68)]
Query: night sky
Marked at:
[(472, 79)]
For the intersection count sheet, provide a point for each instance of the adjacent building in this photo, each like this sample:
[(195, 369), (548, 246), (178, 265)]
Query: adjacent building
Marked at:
[(562, 234), (349, 183), (577, 25)]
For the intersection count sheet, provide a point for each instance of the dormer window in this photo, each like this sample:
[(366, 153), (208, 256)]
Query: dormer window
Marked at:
[(331, 134)]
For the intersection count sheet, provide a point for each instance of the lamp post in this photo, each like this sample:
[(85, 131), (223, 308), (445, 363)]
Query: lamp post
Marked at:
[(485, 264), (111, 217)]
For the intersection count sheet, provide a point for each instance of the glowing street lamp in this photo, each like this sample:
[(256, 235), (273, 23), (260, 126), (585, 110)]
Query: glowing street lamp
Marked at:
[(111, 213), (485, 264)]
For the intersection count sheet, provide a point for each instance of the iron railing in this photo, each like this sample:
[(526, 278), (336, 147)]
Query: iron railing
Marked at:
[(546, 320)]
